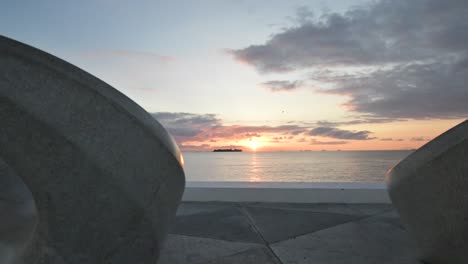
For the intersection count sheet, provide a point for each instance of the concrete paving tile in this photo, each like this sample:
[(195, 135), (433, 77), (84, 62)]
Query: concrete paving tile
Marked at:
[(307, 256), (371, 209), (190, 208), (351, 209), (226, 224), (258, 255), (370, 240), (390, 217), (180, 249), (391, 213), (279, 224), (328, 208)]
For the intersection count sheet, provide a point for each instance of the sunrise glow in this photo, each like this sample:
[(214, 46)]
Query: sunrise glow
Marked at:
[(283, 78), (253, 145)]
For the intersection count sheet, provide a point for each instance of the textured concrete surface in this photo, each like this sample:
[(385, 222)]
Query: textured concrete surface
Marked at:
[(288, 233), (105, 176), (429, 189), (293, 223), (18, 214)]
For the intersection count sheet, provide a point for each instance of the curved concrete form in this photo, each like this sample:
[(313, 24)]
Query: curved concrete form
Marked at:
[(430, 191), (18, 215), (105, 176)]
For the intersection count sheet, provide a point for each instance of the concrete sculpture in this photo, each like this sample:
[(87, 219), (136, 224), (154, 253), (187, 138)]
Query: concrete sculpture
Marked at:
[(430, 191), (104, 176)]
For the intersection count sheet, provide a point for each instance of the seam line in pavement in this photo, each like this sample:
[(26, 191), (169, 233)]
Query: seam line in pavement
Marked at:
[(218, 239), (254, 226)]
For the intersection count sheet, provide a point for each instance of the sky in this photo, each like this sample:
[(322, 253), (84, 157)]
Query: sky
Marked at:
[(269, 75)]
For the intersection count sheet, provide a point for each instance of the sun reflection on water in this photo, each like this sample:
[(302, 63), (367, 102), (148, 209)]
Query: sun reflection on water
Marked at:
[(254, 169)]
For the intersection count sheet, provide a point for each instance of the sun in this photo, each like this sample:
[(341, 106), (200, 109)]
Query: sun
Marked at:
[(253, 145)]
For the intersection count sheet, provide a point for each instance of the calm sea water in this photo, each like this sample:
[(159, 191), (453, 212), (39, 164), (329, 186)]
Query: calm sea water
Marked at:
[(325, 166)]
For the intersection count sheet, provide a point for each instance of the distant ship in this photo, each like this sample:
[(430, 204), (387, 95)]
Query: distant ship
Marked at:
[(227, 150)]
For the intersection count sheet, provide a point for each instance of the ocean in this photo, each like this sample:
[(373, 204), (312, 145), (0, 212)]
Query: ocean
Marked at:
[(320, 166)]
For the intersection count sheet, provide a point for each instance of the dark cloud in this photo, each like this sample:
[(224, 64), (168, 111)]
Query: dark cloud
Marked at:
[(278, 86), (394, 59), (429, 90), (333, 132), (358, 121), (186, 124), (383, 32), (298, 131)]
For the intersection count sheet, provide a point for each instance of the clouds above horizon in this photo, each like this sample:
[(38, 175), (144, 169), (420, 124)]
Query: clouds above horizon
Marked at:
[(333, 132), (391, 139), (419, 139), (204, 131), (414, 55), (318, 142), (419, 91)]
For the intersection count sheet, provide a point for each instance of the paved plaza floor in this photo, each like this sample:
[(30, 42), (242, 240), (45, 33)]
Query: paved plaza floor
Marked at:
[(214, 232)]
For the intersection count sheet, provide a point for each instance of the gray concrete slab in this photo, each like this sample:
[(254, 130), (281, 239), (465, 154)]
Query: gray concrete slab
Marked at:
[(370, 240), (252, 256), (371, 209), (390, 217), (191, 208), (280, 224), (228, 224), (351, 209), (181, 249), (380, 238)]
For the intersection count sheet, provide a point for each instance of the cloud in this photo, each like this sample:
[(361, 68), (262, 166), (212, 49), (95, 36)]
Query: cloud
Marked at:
[(383, 32), (278, 86), (419, 139), (393, 59), (418, 91), (358, 121), (317, 142), (186, 124), (391, 139), (333, 132), (190, 130), (204, 132)]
